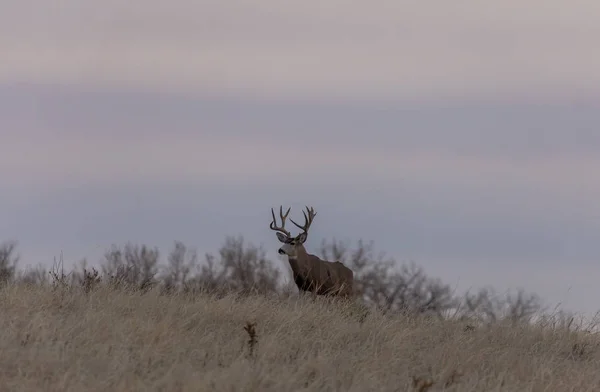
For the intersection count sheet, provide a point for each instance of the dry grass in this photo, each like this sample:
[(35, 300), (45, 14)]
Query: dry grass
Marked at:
[(106, 340)]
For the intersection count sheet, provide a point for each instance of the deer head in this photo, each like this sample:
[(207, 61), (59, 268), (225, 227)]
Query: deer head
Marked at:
[(292, 246)]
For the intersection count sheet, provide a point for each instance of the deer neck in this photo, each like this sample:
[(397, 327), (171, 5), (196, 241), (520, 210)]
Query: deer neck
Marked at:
[(299, 260)]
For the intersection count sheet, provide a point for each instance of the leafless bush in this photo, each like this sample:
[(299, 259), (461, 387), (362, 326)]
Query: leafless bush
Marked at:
[(59, 278), (181, 264), (33, 276), (240, 267), (90, 279), (487, 306), (381, 283), (244, 268), (8, 261), (133, 266), (247, 268), (210, 276)]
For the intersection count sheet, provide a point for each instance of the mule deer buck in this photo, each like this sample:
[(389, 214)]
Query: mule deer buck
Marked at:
[(311, 273)]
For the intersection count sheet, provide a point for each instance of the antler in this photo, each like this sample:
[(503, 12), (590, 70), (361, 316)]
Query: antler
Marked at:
[(283, 216), (307, 219)]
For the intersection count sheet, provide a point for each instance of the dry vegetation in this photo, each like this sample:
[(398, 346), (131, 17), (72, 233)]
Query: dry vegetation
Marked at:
[(226, 325), (57, 339)]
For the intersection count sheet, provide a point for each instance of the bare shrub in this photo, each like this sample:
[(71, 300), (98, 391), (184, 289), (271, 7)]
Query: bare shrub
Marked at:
[(90, 279), (380, 283), (33, 276), (240, 268), (59, 278), (211, 277), (489, 307), (8, 261), (181, 264), (132, 267)]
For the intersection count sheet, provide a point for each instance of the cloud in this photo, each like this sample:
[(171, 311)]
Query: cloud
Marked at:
[(308, 49)]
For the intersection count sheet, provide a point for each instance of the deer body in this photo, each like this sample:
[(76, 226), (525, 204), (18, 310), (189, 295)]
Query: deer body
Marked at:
[(310, 272), (323, 277)]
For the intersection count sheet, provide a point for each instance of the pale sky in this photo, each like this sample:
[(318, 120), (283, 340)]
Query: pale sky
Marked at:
[(462, 136), (380, 48)]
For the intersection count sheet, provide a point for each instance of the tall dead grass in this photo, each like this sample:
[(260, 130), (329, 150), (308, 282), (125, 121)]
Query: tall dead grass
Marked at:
[(57, 339)]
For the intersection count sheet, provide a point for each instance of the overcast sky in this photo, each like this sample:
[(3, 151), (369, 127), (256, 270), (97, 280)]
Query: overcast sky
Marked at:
[(463, 136)]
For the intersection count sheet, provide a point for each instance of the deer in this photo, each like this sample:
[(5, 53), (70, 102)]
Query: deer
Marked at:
[(311, 273)]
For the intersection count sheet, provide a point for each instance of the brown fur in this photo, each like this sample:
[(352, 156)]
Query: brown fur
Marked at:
[(321, 277)]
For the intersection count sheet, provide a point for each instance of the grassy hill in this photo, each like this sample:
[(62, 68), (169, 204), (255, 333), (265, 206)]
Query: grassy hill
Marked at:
[(110, 340)]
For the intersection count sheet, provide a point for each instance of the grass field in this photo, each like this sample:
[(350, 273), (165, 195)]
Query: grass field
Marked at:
[(108, 340)]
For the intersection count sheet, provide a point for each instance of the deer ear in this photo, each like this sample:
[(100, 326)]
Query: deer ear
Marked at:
[(302, 237), (281, 237)]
